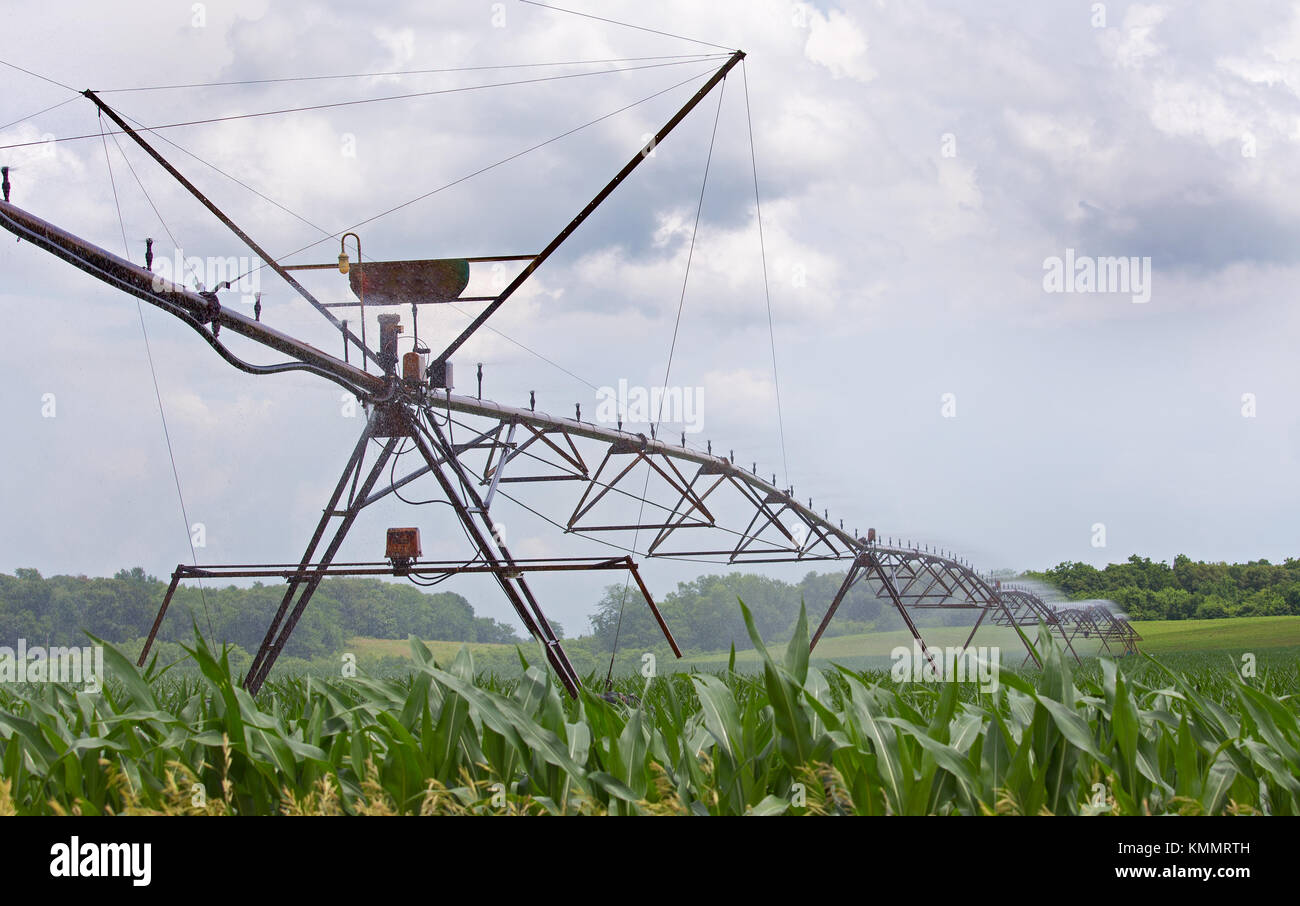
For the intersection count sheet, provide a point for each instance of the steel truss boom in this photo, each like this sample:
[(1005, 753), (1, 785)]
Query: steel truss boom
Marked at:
[(770, 525)]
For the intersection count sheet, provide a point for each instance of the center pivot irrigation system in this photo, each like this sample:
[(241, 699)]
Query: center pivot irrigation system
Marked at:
[(690, 504)]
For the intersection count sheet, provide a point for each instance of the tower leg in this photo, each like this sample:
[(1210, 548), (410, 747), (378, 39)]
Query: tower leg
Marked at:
[(975, 628), (864, 565), (850, 579), (162, 612), (303, 584), (492, 548), (873, 565)]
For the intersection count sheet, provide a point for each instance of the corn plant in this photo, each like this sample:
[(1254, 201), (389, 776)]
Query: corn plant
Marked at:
[(1110, 739)]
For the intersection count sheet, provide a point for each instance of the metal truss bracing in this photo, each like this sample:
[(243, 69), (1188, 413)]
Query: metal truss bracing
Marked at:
[(683, 503), (1025, 609), (297, 574), (1093, 620)]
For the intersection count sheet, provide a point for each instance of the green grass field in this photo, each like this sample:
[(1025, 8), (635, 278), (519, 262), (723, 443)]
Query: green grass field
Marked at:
[(1160, 636), (376, 648), (873, 649)]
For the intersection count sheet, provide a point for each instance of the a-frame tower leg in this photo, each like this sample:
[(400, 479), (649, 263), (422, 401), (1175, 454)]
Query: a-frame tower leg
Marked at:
[(467, 503), (304, 584)]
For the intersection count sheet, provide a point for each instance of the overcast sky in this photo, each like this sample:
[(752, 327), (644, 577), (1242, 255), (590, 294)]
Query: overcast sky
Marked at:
[(921, 165)]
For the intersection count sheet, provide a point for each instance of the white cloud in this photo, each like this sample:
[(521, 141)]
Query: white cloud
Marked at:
[(1133, 45), (1190, 108), (1068, 141), (739, 395), (837, 42)]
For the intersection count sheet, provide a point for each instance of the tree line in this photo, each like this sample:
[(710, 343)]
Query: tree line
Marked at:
[(1188, 589), (702, 613), (59, 610)]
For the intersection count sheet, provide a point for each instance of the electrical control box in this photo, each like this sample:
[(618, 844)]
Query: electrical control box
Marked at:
[(440, 375), (403, 544), (413, 365), (390, 326)]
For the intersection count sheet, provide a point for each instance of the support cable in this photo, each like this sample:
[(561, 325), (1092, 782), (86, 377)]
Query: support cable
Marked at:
[(357, 102), (157, 213), (672, 348), (528, 349), (485, 169), (652, 31), (235, 179), (23, 119), (38, 76), (767, 292), (403, 72), (157, 392)]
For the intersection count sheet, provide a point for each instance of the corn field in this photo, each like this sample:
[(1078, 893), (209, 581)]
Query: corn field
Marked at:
[(791, 740)]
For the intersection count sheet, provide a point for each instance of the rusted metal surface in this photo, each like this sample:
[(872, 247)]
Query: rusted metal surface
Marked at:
[(424, 570), (405, 282)]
